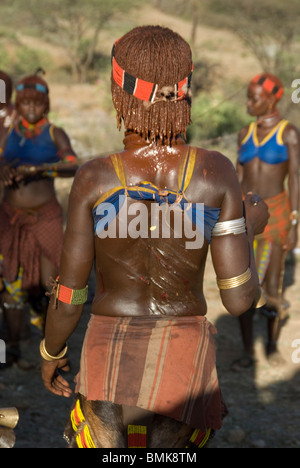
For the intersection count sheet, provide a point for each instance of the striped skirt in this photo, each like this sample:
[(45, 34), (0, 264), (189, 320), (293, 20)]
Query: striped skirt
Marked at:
[(162, 364)]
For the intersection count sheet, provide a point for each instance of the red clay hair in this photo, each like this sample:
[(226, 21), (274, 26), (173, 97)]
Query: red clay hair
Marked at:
[(157, 55), (270, 83)]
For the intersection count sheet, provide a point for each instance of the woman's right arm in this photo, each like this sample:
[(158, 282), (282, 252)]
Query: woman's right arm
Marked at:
[(75, 268)]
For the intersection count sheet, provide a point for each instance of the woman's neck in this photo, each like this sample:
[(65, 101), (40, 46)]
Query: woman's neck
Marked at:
[(133, 139), (269, 119), (32, 129), (39, 123)]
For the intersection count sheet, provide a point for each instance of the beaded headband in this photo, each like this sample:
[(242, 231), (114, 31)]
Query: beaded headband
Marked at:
[(142, 89), (268, 85), (36, 86)]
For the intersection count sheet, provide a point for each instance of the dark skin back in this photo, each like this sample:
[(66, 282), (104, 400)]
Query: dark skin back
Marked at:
[(123, 265)]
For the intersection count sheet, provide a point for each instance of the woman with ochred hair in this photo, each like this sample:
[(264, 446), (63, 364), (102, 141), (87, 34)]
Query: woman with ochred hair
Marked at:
[(147, 375), (33, 153), (268, 157)]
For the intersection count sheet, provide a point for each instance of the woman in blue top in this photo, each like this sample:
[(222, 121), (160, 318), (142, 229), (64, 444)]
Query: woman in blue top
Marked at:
[(31, 226), (147, 374), (269, 150)]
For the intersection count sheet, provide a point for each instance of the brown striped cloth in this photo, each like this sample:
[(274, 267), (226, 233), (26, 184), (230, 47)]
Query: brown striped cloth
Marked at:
[(25, 235), (162, 364), (279, 222)]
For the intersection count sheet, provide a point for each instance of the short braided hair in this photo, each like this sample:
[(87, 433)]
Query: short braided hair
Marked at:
[(158, 55)]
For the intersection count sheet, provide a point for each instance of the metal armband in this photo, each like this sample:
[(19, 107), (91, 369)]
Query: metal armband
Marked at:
[(234, 226), (235, 281)]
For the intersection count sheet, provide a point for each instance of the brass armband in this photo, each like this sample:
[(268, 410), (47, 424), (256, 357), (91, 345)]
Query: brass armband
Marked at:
[(235, 281), (45, 355)]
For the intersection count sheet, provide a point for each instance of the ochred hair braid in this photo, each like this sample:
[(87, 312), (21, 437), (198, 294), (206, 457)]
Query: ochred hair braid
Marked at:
[(161, 56)]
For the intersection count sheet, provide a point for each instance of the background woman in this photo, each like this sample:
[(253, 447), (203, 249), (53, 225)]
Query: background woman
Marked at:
[(31, 226), (268, 164)]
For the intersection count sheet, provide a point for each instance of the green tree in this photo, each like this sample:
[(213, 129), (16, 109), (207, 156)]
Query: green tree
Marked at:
[(211, 121), (269, 28), (76, 25)]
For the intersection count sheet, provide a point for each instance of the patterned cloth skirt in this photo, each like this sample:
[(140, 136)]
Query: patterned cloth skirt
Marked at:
[(162, 364)]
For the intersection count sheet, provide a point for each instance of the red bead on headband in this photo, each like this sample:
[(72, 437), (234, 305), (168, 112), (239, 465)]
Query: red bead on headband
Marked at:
[(269, 85), (142, 89)]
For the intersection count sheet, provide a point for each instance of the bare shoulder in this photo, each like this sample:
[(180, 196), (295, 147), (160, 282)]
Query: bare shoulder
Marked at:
[(59, 134), (291, 134), (93, 178), (221, 185), (242, 133), (214, 176), (217, 163)]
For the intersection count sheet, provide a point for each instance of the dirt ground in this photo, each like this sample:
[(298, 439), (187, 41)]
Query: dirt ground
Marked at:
[(263, 401)]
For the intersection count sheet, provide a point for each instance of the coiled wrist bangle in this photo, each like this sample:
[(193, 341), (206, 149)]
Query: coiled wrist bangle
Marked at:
[(45, 355)]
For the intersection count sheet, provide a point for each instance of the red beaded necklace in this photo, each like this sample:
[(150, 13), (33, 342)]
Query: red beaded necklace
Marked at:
[(31, 130)]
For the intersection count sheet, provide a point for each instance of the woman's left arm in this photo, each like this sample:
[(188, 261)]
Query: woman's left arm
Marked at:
[(69, 163)]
